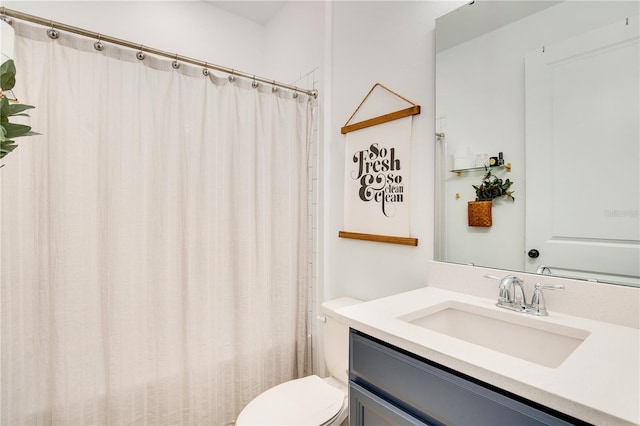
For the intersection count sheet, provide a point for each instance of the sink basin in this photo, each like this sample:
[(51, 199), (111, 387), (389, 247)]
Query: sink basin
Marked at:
[(519, 335)]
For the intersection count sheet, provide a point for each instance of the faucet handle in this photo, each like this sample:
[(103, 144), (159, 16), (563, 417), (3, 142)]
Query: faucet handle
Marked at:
[(538, 305)]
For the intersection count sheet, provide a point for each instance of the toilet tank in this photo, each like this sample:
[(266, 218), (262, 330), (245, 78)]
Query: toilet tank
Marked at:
[(336, 339)]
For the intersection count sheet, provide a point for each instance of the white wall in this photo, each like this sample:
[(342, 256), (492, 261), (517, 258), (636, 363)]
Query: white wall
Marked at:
[(391, 43), (294, 42)]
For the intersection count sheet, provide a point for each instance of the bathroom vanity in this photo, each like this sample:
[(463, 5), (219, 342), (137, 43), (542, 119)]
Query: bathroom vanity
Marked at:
[(417, 358), (390, 386)]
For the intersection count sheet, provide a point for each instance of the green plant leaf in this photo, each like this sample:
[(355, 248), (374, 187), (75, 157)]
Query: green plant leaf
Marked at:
[(492, 187), (9, 130), (12, 110), (4, 109), (15, 109), (14, 130), (7, 75), (6, 147)]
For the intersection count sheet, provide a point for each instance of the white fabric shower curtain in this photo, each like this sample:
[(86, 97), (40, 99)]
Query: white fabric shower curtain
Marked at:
[(154, 240)]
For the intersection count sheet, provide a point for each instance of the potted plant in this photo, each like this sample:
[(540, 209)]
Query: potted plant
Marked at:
[(490, 188), (8, 130)]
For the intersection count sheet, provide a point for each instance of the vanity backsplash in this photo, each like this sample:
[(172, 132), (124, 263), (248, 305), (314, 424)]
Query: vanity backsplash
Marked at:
[(599, 301)]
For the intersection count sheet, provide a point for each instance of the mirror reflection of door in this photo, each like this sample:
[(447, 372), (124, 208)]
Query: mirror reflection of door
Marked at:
[(582, 119)]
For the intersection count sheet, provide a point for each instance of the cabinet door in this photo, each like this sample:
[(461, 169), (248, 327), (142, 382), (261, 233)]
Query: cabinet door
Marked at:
[(367, 409)]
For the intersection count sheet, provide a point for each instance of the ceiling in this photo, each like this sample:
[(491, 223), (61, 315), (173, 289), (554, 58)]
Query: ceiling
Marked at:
[(257, 11)]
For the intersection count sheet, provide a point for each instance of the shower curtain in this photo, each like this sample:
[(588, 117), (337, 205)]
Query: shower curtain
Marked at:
[(154, 240)]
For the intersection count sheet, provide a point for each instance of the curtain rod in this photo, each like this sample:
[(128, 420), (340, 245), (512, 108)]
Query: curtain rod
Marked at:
[(4, 12)]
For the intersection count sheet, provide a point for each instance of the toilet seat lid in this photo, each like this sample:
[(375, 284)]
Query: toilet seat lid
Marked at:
[(306, 401)]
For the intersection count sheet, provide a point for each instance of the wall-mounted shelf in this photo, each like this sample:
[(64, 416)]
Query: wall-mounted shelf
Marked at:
[(471, 169)]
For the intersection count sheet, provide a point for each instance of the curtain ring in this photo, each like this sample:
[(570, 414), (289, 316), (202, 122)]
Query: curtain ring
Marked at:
[(205, 70), (52, 32), (254, 84), (175, 64), (274, 89), (232, 77), (98, 45), (295, 93), (140, 55)]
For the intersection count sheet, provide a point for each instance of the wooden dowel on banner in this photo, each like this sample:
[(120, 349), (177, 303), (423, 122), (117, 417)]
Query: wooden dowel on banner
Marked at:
[(407, 241), (414, 110)]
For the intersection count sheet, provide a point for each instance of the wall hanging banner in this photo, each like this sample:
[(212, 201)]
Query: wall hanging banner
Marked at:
[(377, 174)]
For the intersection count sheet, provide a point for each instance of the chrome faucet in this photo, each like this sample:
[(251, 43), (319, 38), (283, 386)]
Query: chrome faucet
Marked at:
[(511, 295)]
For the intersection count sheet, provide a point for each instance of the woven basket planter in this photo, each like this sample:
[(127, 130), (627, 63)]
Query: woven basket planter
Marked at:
[(479, 213)]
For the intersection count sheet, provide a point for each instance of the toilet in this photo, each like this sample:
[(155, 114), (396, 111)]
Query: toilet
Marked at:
[(310, 400)]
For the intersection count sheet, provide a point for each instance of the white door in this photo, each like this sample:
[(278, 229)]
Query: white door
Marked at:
[(583, 155)]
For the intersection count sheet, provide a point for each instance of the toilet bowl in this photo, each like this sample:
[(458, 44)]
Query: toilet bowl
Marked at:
[(310, 400)]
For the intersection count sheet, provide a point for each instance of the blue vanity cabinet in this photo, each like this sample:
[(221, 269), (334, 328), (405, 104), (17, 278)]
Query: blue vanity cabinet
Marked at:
[(389, 386), (367, 408)]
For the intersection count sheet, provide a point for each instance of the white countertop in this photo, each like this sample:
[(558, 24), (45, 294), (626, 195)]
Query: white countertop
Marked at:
[(598, 383)]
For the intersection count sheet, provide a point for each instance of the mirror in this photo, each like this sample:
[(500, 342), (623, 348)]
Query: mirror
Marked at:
[(552, 86)]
